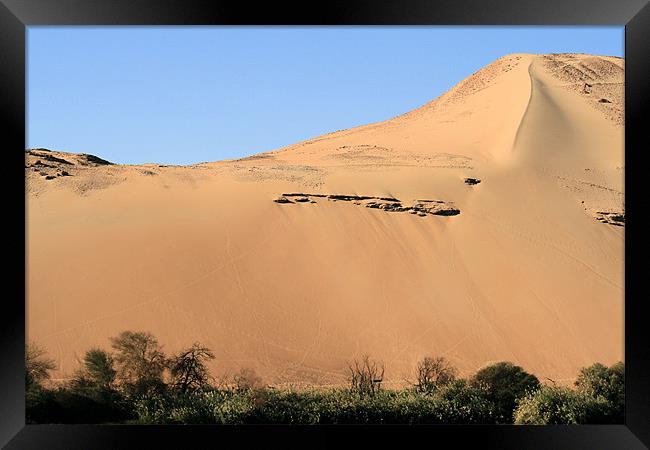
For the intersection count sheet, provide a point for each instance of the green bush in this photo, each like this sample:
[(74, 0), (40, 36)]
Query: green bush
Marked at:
[(232, 407), (607, 383), (97, 369), (171, 407), (561, 405), (467, 404), (458, 404), (196, 407), (503, 383), (152, 408)]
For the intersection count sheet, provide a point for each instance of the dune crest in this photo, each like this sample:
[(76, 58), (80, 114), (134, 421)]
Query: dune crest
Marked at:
[(486, 225)]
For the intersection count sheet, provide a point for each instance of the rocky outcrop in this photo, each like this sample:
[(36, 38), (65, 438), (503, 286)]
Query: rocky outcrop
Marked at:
[(55, 159), (92, 159), (421, 208), (611, 218), (435, 207), (282, 199)]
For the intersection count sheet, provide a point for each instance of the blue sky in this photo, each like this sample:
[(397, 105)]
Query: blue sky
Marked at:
[(181, 95)]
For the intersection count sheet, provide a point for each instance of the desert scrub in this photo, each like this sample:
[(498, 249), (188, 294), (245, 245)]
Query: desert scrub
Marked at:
[(174, 407), (503, 383), (286, 407), (232, 407), (463, 403), (152, 408), (134, 390), (195, 407), (561, 405), (456, 403)]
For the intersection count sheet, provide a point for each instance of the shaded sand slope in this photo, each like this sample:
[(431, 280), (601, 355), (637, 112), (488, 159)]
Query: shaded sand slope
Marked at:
[(385, 265)]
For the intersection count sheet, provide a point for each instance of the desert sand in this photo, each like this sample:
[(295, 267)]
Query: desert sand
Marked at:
[(377, 240)]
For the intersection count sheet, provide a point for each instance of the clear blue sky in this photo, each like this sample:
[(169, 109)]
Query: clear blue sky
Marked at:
[(181, 95)]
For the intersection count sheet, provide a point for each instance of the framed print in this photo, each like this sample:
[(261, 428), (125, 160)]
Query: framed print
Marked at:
[(314, 226)]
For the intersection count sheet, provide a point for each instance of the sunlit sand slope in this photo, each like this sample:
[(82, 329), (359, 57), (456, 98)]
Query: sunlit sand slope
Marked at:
[(486, 225)]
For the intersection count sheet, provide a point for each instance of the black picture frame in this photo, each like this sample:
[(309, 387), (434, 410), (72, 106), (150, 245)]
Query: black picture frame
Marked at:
[(16, 15)]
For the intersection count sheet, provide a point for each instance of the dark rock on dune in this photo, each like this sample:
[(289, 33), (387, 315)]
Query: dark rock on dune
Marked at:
[(96, 160), (446, 212), (387, 204), (50, 158), (256, 157), (349, 198), (40, 163), (395, 207), (604, 100), (611, 218), (472, 181), (58, 158), (50, 177), (302, 194), (435, 207)]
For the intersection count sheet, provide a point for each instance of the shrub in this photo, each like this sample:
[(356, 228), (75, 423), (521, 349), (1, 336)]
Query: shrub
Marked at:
[(134, 391), (247, 379), (97, 370), (433, 373), (65, 405), (188, 369), (152, 408), (195, 407), (464, 403), (233, 407), (366, 376), (560, 405), (140, 362), (37, 366), (606, 383), (503, 383), (286, 407), (40, 406)]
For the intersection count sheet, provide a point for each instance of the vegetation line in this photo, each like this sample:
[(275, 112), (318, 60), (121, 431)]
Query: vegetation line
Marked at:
[(137, 383)]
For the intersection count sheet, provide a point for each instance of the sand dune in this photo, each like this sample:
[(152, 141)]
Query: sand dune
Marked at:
[(382, 247)]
